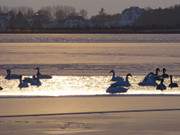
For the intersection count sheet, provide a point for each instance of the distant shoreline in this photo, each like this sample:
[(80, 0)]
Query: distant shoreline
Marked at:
[(93, 31)]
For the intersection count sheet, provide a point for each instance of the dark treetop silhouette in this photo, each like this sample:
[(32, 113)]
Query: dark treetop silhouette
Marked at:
[(65, 19)]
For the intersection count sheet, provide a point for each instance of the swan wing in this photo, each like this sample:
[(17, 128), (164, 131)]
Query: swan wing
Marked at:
[(113, 90)]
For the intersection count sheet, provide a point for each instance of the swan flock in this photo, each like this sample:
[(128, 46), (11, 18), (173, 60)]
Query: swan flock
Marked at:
[(119, 84)]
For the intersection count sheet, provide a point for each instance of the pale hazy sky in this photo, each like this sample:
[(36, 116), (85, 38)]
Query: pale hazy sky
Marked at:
[(92, 6)]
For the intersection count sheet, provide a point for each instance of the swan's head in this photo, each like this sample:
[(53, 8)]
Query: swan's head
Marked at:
[(37, 68), (112, 71), (171, 77), (164, 70), (157, 70), (129, 74), (8, 71)]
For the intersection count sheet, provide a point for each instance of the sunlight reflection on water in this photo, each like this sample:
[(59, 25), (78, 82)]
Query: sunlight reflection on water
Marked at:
[(77, 85)]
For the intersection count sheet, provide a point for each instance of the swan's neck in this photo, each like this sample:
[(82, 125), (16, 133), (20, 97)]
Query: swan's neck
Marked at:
[(157, 72), (164, 71), (9, 73), (114, 75), (38, 72), (127, 78), (162, 82), (171, 80), (37, 77), (20, 80)]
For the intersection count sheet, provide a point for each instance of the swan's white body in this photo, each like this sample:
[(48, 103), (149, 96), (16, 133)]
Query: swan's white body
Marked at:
[(165, 75), (149, 80), (41, 76), (125, 82), (172, 84), (22, 83), (10, 76), (116, 78), (161, 86), (118, 87), (114, 90), (35, 81)]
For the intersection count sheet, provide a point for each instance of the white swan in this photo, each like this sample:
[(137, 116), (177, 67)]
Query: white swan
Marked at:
[(125, 82), (22, 83), (150, 79), (35, 81), (118, 89), (10, 76), (172, 84), (161, 86), (41, 76), (114, 77)]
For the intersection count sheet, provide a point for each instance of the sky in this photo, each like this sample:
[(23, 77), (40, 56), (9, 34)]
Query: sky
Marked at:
[(92, 6)]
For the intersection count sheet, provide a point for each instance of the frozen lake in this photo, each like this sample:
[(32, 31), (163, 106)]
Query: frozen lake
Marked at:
[(80, 64), (89, 38)]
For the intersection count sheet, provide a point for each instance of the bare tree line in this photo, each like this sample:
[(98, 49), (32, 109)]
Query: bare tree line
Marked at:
[(58, 12), (67, 17)]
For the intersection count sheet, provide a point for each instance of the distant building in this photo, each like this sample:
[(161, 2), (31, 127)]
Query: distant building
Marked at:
[(4, 21), (130, 15)]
